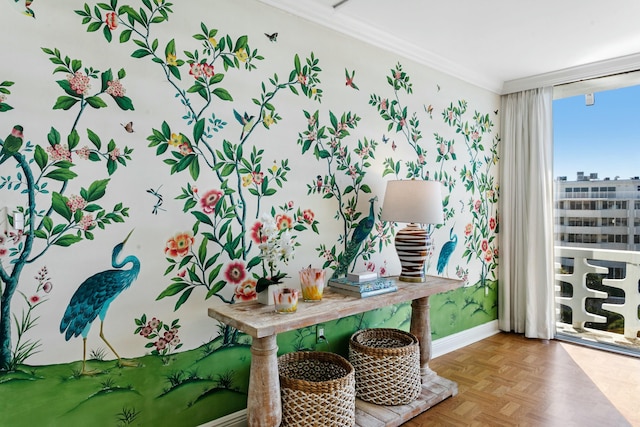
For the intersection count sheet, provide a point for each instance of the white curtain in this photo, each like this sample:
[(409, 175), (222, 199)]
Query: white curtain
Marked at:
[(526, 272)]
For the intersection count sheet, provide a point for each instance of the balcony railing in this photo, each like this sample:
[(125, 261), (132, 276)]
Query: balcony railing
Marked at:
[(584, 263)]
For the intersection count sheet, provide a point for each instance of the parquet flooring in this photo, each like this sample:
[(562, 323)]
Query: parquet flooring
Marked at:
[(509, 380)]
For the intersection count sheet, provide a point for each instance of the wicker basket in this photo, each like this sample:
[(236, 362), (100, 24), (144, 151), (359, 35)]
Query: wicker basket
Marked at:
[(387, 365), (317, 389)]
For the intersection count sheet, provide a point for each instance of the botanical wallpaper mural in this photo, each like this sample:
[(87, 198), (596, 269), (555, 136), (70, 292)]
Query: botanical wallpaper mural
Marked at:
[(157, 158)]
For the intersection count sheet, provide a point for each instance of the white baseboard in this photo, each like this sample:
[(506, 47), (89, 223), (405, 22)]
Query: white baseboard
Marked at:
[(453, 342), (439, 347)]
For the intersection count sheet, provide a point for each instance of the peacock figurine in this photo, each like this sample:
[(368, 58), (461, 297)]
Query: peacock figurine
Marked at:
[(360, 233)]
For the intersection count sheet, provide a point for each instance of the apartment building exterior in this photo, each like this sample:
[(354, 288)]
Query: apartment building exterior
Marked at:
[(598, 213)]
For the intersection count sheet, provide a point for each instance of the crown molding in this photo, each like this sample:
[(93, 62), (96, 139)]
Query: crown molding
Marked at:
[(331, 18), (608, 67)]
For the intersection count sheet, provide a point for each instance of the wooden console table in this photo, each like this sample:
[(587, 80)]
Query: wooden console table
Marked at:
[(264, 407)]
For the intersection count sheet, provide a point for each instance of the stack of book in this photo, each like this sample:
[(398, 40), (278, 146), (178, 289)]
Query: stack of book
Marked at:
[(362, 288)]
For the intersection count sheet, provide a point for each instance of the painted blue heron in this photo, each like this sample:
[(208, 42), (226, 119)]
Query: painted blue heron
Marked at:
[(446, 251), (360, 233), (93, 297)]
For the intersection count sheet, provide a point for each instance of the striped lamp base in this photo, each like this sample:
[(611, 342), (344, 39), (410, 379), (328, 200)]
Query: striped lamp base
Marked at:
[(412, 246)]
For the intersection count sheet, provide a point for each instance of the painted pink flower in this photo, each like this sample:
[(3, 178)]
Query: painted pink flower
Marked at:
[(3, 252), (383, 104), (492, 223), (302, 79), (209, 200), (284, 222), (115, 89), (179, 245), (111, 19), (256, 235), (114, 154), (154, 323), (195, 70), (87, 222), (207, 70), (370, 266), (488, 256), (175, 341), (59, 152), (182, 273), (34, 299), (161, 344), (146, 331), (484, 245), (475, 135), (258, 177), (76, 202), (185, 149), (246, 291), (468, 229), (290, 204), (168, 336), (83, 152), (235, 272), (478, 205), (79, 83), (402, 122), (308, 215)]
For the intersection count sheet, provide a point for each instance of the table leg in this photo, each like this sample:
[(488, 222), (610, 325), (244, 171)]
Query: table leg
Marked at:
[(264, 408), (421, 328)]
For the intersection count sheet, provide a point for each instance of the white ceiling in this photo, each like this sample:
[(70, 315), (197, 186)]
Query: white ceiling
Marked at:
[(487, 42)]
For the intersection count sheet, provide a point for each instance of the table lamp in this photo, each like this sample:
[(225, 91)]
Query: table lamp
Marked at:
[(413, 202)]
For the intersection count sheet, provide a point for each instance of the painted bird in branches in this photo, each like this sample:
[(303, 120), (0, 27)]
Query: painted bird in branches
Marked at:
[(24, 7), (446, 251), (245, 120), (360, 233), (93, 297), (11, 144)]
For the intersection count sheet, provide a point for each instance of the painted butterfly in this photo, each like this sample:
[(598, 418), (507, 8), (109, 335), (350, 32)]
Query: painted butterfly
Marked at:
[(128, 127), (272, 37)]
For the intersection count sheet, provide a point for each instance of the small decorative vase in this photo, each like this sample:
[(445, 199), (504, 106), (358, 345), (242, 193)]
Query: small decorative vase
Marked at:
[(286, 300), (266, 297)]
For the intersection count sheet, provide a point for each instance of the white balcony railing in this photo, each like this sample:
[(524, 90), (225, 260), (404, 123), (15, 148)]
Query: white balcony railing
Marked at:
[(582, 265)]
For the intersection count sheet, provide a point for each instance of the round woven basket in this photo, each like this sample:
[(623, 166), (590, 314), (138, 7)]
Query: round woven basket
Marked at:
[(317, 389), (387, 365)]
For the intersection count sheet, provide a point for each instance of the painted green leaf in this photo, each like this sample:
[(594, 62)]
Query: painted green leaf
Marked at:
[(96, 190), (198, 130), (41, 157), (183, 298), (194, 168), (67, 240), (202, 217), (61, 174), (216, 288), (140, 53), (222, 94), (124, 102), (172, 290), (73, 139), (64, 103), (94, 138)]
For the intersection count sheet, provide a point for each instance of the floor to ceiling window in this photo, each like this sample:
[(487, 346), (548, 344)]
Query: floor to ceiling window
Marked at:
[(597, 211)]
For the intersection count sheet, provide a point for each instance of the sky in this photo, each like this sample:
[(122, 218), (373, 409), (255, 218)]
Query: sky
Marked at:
[(603, 138)]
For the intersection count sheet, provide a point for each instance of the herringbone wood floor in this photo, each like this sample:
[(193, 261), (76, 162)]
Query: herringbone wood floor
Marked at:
[(509, 380)]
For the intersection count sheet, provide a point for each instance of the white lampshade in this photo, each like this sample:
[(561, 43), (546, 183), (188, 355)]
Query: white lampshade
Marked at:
[(413, 201)]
